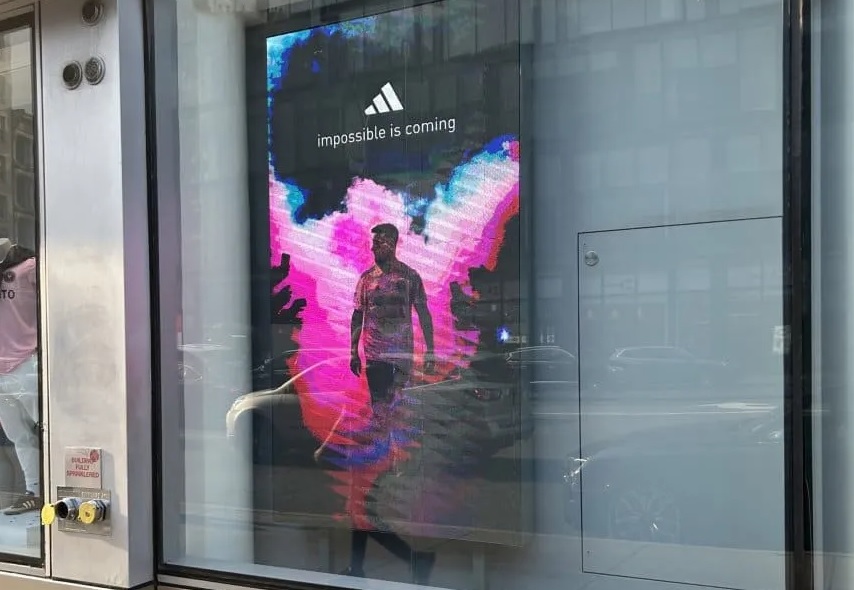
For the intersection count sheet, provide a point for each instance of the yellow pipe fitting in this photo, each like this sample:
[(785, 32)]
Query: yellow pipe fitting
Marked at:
[(93, 511)]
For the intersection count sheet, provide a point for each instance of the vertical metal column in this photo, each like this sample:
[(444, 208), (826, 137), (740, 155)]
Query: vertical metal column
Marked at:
[(796, 282), (98, 371)]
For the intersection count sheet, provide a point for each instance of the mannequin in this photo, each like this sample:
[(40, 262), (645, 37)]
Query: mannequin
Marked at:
[(19, 408)]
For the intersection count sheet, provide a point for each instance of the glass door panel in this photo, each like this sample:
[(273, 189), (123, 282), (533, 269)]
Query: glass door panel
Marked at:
[(20, 415)]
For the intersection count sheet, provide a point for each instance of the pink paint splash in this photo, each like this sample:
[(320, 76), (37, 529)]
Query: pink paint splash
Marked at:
[(328, 255), (465, 229)]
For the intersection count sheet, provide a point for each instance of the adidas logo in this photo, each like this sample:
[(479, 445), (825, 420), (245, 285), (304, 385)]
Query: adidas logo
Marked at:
[(385, 101)]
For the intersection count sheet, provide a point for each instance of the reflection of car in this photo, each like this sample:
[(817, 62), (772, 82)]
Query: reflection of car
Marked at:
[(547, 369), (657, 366), (273, 371), (481, 400), (193, 360), (712, 482), (195, 363), (190, 371), (484, 396)]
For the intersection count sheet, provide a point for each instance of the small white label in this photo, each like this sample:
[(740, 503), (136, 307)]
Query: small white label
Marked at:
[(83, 467), (781, 340)]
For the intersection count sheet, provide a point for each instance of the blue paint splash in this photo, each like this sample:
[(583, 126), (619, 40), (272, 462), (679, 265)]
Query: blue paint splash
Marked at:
[(279, 48)]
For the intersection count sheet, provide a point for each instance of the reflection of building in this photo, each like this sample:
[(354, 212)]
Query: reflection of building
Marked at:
[(17, 186), (646, 130), (17, 194)]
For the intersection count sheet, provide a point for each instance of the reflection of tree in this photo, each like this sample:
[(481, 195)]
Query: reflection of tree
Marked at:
[(284, 311), (462, 308), (484, 313)]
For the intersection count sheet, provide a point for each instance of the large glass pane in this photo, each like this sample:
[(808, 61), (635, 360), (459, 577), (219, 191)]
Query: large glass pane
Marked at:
[(20, 440), (471, 293)]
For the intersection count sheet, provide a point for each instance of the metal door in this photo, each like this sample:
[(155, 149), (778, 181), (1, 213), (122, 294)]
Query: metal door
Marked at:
[(681, 403)]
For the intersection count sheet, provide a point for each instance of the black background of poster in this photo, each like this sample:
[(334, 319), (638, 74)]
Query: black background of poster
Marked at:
[(272, 335)]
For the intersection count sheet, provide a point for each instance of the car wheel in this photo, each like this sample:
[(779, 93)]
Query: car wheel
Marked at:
[(645, 512)]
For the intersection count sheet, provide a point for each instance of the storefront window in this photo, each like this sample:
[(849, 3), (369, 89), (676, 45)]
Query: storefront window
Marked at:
[(471, 293), (20, 424)]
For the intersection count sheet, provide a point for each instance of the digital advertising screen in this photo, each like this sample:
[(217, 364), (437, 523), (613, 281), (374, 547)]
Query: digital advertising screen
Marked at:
[(393, 224)]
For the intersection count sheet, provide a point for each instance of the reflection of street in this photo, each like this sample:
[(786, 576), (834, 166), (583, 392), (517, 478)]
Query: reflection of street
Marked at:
[(552, 559), (557, 421), (320, 543), (614, 416), (610, 419), (289, 516), (644, 403)]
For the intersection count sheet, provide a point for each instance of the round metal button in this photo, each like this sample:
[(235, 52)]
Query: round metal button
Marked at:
[(92, 12), (72, 75), (94, 70), (591, 258)]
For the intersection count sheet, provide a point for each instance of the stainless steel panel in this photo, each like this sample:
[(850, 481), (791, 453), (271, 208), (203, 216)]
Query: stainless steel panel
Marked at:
[(96, 281)]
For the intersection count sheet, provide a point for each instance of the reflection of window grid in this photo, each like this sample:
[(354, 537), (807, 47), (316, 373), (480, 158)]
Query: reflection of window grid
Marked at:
[(4, 128), (24, 192), (4, 207), (24, 150), (4, 163), (25, 230)]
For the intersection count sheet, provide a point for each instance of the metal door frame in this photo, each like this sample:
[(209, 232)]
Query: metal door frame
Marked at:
[(797, 279), (14, 14)]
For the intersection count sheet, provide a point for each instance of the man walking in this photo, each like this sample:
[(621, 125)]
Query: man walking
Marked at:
[(385, 296)]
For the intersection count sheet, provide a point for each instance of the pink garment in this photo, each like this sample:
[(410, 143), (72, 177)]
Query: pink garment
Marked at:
[(18, 315)]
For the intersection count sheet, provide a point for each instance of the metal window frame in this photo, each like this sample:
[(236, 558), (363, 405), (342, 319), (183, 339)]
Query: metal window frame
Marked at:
[(16, 15), (797, 308)]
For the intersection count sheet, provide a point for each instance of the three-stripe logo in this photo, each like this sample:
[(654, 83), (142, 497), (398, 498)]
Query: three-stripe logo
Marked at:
[(385, 101)]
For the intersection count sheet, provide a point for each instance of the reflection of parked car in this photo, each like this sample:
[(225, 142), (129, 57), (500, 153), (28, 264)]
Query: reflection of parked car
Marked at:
[(274, 370), (656, 366), (194, 358), (547, 370), (195, 362), (716, 482), (480, 401)]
